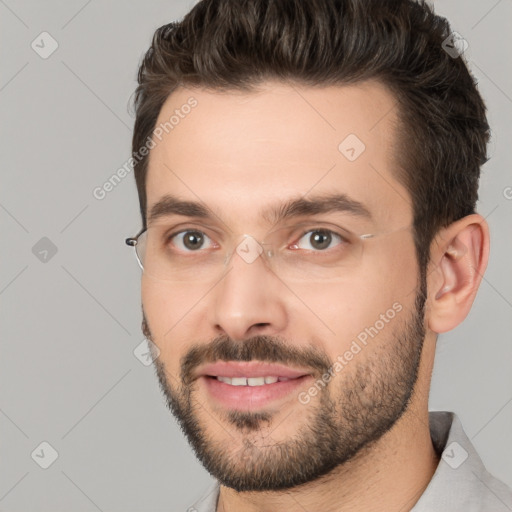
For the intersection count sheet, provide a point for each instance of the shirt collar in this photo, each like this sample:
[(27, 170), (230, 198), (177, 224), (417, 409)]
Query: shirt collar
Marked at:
[(460, 482)]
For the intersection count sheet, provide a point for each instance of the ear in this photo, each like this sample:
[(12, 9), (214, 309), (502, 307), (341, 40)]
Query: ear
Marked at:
[(458, 259)]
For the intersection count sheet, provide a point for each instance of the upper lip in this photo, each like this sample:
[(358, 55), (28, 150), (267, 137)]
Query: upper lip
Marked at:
[(249, 369)]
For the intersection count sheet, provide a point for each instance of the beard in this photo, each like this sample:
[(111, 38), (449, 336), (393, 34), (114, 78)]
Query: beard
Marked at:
[(351, 413)]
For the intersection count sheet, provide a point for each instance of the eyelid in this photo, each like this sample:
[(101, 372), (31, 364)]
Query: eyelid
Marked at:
[(188, 226), (342, 240), (174, 234), (303, 228), (295, 230)]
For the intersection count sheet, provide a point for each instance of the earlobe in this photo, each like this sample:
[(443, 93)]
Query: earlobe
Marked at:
[(461, 251)]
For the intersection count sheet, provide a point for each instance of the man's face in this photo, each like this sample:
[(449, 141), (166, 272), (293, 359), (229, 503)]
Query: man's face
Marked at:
[(349, 338)]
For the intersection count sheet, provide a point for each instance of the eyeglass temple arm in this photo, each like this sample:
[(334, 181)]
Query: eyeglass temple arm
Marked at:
[(132, 241)]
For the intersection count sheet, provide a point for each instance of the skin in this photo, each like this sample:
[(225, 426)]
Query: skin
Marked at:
[(237, 153)]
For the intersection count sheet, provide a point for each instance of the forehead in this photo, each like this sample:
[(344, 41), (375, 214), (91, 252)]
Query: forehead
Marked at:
[(238, 152)]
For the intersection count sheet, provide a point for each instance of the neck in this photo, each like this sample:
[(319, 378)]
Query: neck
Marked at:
[(390, 475)]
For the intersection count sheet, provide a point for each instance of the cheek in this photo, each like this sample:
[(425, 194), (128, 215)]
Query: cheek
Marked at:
[(337, 315), (167, 303), (368, 303), (155, 301), (391, 269), (169, 313)]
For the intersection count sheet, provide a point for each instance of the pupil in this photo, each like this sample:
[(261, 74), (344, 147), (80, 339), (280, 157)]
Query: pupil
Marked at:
[(320, 239), (193, 240)]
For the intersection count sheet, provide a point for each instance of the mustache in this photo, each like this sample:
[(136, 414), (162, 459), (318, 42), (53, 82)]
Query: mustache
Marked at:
[(261, 348), (266, 348)]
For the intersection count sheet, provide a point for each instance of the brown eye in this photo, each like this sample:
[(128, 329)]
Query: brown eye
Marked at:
[(318, 240), (190, 240)]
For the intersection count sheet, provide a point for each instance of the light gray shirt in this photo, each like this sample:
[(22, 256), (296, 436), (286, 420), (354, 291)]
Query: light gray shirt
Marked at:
[(460, 483)]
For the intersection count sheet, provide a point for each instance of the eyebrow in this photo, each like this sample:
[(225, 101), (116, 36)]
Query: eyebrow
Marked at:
[(317, 204)]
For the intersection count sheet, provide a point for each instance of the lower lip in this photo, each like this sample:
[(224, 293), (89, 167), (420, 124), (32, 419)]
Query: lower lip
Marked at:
[(251, 397)]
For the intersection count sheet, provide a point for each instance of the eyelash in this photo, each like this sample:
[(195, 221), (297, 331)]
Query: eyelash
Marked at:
[(342, 239)]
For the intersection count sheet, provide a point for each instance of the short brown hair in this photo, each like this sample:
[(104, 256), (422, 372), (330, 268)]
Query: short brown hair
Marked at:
[(238, 44)]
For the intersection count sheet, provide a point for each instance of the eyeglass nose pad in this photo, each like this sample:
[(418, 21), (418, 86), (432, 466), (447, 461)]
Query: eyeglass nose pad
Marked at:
[(229, 254), (249, 249)]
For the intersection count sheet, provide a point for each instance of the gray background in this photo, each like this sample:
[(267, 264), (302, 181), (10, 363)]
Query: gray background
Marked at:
[(70, 324)]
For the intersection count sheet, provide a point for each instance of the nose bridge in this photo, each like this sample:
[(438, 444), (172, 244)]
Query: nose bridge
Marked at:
[(248, 249), (249, 293)]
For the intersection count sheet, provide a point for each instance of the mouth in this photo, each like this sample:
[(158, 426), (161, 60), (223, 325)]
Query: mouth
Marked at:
[(250, 385), (250, 370), (250, 381)]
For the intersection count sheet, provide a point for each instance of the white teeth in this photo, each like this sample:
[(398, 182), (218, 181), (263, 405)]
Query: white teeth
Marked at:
[(256, 381), (238, 381), (251, 381)]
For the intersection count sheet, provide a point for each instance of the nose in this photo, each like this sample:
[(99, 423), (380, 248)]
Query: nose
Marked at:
[(249, 300)]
